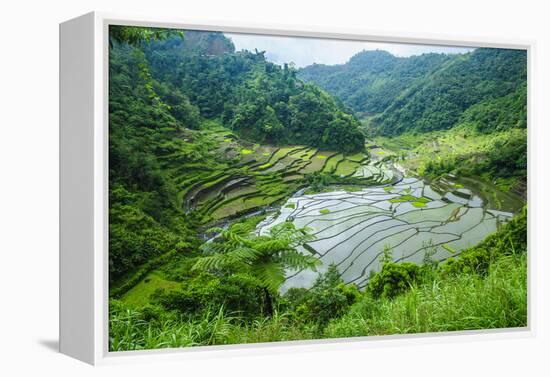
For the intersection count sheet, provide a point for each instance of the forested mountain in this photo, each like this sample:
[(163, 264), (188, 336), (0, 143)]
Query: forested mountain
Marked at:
[(371, 80), (431, 91), (261, 101), (162, 95)]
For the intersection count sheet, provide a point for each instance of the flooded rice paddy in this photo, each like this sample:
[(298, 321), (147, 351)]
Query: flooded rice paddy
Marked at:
[(414, 219)]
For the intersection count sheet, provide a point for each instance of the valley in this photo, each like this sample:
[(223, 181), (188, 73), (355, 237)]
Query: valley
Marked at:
[(369, 202), (256, 202)]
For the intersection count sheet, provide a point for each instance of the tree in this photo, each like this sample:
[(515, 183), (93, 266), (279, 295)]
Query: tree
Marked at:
[(393, 278), (134, 35), (265, 257), (329, 298)]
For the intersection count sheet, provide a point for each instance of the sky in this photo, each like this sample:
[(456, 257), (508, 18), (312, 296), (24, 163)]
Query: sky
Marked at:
[(306, 51)]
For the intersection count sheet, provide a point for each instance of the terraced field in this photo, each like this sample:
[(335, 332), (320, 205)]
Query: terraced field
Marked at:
[(351, 228), (413, 219), (244, 177)]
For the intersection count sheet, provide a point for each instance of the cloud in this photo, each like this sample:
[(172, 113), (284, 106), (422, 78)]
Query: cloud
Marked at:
[(306, 51)]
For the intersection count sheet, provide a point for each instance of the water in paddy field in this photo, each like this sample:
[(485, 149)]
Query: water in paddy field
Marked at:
[(351, 229)]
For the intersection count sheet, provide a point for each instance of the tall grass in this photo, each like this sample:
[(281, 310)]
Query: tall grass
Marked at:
[(461, 302), (448, 303), (129, 330)]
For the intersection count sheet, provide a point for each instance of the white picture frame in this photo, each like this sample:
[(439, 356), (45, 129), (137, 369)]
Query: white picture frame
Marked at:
[(84, 188)]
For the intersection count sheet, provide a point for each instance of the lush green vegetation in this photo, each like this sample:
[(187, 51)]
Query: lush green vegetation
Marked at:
[(259, 100), (439, 101), (145, 218), (486, 87), (481, 96), (484, 287), (371, 80), (498, 157), (170, 152), (206, 142)]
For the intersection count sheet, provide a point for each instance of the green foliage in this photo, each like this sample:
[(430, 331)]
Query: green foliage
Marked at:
[(120, 287), (419, 204), (496, 156), (171, 162), (152, 109), (318, 181), (449, 303), (503, 156), (145, 220), (462, 302), (329, 298), (324, 181), (469, 292), (265, 257), (237, 294), (499, 114), (316, 120), (507, 157), (438, 101), (151, 328), (259, 100), (485, 88), (135, 237), (393, 279), (415, 201), (371, 80), (136, 36)]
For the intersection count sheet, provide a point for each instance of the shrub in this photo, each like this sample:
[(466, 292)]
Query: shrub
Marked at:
[(393, 279), (237, 293), (329, 298)]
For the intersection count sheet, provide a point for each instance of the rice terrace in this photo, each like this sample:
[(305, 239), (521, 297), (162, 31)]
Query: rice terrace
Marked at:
[(251, 200)]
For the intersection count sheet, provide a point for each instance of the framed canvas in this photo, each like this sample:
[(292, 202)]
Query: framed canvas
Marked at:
[(237, 189)]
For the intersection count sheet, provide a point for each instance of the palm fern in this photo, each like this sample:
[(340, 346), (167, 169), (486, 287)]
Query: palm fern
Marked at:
[(265, 257)]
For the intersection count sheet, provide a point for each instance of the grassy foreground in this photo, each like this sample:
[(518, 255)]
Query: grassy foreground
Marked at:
[(483, 288), (462, 302)]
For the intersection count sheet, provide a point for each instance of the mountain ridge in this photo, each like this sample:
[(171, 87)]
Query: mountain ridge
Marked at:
[(405, 94)]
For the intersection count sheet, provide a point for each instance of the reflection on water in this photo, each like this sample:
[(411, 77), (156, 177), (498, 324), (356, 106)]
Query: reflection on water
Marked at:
[(412, 218)]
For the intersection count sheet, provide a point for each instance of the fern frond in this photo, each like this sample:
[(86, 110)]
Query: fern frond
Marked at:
[(241, 229), (211, 262), (235, 238), (271, 245), (271, 275), (244, 254), (295, 260)]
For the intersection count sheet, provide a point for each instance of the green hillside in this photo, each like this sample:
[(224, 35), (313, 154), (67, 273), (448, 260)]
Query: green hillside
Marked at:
[(260, 101), (371, 80), (431, 91)]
